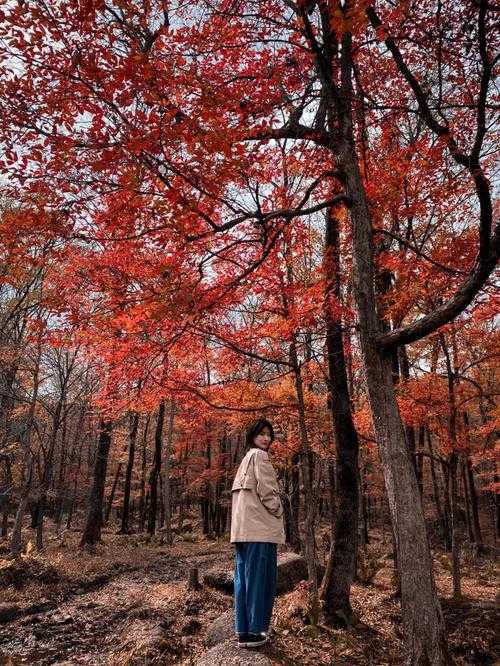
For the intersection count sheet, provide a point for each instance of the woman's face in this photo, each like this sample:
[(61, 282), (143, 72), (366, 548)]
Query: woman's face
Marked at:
[(263, 439)]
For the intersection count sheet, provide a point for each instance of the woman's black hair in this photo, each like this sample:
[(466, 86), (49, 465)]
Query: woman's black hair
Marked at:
[(255, 429)]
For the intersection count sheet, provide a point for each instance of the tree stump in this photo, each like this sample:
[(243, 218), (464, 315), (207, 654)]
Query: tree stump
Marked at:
[(193, 582)]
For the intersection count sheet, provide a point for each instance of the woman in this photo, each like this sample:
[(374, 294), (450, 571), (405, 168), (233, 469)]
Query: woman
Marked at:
[(256, 529)]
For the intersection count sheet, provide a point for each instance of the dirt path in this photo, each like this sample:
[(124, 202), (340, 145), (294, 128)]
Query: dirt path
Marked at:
[(98, 626)]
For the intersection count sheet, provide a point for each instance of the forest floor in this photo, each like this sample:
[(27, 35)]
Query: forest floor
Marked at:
[(127, 604)]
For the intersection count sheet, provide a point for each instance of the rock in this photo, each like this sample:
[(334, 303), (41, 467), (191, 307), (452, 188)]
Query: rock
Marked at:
[(220, 579), (8, 612), (229, 654), (292, 568), (221, 629)]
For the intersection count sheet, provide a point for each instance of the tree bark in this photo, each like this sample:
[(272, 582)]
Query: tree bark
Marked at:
[(142, 498), (155, 471), (336, 585), (310, 493), (134, 426), (476, 525), (16, 537), (291, 505), (113, 491), (166, 483), (92, 531), (422, 617), (75, 485), (452, 467), (468, 520)]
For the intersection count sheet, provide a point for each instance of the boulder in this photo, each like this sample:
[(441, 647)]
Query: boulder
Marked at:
[(229, 654), (221, 629), (220, 579), (292, 568)]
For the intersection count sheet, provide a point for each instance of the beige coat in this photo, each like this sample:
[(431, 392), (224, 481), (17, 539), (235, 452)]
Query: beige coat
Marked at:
[(257, 512)]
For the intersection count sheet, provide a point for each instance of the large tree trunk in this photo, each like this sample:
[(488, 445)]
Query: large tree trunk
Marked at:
[(92, 531), (422, 617), (339, 574), (155, 471), (134, 426)]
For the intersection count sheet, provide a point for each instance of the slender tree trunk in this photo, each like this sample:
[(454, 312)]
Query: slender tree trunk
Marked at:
[(162, 503), (92, 531), (447, 504), (332, 495), (6, 499), (310, 493), (16, 537), (455, 543), (167, 486), (142, 499), (113, 491), (420, 460), (134, 426), (468, 521), (476, 525), (156, 469), (364, 536), (61, 477), (496, 508), (75, 486), (452, 466), (48, 467), (435, 487), (291, 505), (307, 463)]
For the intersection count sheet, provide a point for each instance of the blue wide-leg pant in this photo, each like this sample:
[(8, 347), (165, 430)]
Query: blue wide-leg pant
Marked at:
[(255, 572)]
